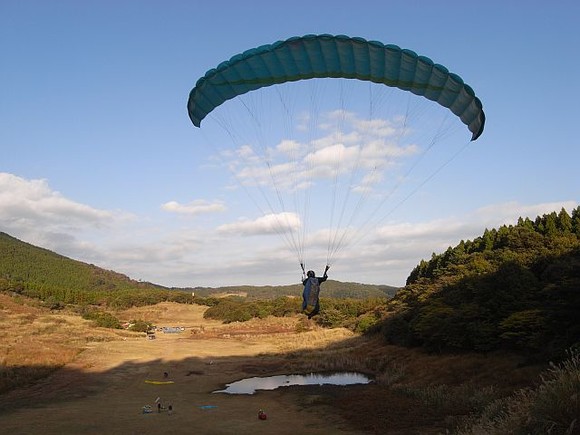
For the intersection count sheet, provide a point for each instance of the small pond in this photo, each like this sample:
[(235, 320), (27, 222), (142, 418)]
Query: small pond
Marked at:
[(250, 385)]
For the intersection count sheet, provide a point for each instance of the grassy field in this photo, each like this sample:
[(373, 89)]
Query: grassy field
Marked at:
[(96, 377)]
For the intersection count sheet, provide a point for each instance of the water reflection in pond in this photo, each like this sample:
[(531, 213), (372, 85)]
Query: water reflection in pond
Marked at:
[(250, 385)]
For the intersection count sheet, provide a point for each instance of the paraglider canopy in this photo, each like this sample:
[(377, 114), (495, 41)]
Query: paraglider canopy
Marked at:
[(353, 157), (320, 56)]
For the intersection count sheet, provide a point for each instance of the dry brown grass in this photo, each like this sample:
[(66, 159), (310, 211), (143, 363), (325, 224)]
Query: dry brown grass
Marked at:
[(100, 388), (36, 341)]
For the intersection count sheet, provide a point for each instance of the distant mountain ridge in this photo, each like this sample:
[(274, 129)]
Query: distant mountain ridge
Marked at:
[(42, 273), (332, 289)]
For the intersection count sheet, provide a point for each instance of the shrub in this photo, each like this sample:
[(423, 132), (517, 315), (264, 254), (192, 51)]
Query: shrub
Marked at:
[(53, 304), (553, 407), (102, 319), (139, 326), (365, 322), (331, 318)]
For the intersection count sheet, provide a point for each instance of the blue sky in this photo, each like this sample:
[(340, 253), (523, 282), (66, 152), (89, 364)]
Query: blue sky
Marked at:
[(100, 162)]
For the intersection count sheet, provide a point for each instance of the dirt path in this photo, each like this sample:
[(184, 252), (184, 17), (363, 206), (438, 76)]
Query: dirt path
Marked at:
[(104, 390)]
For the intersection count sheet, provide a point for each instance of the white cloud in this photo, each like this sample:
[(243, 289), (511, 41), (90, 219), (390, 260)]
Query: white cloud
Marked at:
[(289, 147), (349, 138), (384, 256), (363, 145), (194, 255), (402, 245), (33, 202), (330, 155), (375, 152), (331, 119), (32, 211), (194, 208), (268, 224), (262, 174), (451, 230), (377, 127)]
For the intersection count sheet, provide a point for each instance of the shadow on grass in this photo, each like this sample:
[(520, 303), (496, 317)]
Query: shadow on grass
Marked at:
[(368, 408)]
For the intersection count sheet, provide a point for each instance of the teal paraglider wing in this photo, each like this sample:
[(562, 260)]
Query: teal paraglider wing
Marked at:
[(328, 56)]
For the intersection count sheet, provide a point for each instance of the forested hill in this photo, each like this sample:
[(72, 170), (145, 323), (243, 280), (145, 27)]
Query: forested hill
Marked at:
[(517, 287), (331, 289), (40, 273), (26, 263)]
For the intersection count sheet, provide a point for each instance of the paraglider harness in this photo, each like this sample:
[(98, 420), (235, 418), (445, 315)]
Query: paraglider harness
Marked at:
[(310, 296)]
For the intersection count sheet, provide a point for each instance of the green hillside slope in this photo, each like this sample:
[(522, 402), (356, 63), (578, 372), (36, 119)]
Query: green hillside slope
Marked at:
[(40, 273), (517, 288)]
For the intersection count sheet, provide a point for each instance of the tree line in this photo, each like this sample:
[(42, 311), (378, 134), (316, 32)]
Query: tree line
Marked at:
[(57, 280), (516, 288), (332, 289)]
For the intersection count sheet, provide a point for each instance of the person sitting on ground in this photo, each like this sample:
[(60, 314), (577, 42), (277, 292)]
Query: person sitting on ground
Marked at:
[(310, 295)]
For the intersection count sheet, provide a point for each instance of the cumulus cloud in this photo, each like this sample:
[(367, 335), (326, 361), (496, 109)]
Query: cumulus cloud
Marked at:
[(194, 208), (289, 147), (384, 256), (329, 155), (31, 210), (367, 148), (188, 256), (452, 229), (378, 127), (264, 174), (33, 202), (268, 224), (406, 243)]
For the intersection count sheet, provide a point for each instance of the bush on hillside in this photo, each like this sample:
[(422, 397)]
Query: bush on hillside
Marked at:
[(102, 319)]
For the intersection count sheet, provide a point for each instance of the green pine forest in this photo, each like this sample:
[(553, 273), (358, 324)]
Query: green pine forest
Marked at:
[(39, 273), (516, 287)]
